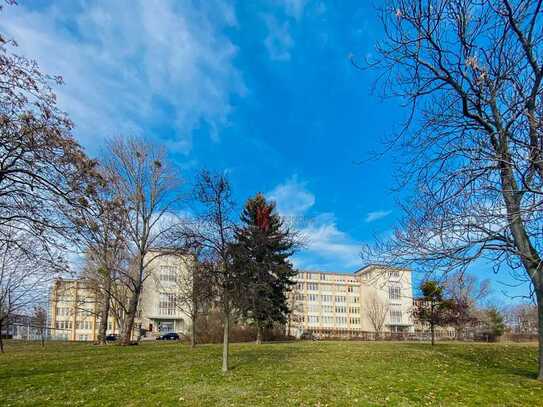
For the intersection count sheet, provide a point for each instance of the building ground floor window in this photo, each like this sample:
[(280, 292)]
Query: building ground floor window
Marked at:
[(399, 328), (164, 326)]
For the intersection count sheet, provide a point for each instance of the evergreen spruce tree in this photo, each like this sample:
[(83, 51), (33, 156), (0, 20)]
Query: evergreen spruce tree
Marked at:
[(261, 260)]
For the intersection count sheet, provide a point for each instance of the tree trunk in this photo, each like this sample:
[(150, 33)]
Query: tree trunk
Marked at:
[(193, 332), (539, 296), (258, 333), (42, 341), (1, 341), (128, 325), (288, 325), (104, 312), (225, 342), (432, 330)]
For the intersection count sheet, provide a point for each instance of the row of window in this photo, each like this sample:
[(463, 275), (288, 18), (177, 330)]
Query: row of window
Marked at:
[(313, 319), (395, 318), (392, 275), (86, 325), (330, 308), (64, 311), (68, 311), (315, 287), (326, 277), (326, 298), (63, 325), (84, 313)]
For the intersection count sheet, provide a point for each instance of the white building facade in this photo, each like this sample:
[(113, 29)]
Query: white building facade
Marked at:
[(74, 305), (340, 304)]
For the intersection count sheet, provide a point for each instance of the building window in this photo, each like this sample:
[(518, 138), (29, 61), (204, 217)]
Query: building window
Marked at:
[(313, 319), (394, 292), (328, 320), (313, 308), (394, 275), (326, 298), (341, 310), (64, 325), (167, 274), (312, 297), (327, 308), (323, 277), (63, 311), (340, 298), (395, 316), (312, 286), (83, 325), (167, 304)]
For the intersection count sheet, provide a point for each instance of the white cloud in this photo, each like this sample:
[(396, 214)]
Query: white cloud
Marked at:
[(135, 66), (292, 197), (278, 42), (293, 8), (326, 246), (373, 216)]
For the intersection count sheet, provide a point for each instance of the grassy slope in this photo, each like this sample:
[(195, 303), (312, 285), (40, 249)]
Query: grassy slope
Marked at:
[(303, 373)]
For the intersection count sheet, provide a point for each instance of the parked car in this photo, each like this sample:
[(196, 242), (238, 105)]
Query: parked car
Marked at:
[(309, 336), (111, 338), (170, 336)]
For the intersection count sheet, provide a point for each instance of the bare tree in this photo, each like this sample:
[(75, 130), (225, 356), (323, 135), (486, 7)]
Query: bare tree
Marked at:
[(25, 270), (521, 318), (466, 291), (472, 74), (101, 225), (40, 322), (213, 234), (42, 167), (377, 311), (148, 186)]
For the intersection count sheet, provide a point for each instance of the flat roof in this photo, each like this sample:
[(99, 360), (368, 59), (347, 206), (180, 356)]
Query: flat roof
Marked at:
[(363, 269)]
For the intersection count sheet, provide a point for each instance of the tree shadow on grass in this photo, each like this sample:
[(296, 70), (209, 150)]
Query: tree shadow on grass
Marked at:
[(482, 356)]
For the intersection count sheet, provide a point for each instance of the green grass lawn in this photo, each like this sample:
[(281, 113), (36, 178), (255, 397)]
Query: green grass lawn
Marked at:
[(297, 374)]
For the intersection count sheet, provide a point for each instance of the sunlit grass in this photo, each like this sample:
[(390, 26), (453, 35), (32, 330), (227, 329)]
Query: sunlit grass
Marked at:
[(300, 374)]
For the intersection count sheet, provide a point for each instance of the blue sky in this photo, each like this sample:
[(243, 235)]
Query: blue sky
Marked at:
[(262, 89)]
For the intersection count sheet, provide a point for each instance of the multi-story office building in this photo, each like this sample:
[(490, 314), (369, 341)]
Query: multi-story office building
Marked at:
[(339, 304), (328, 304), (74, 308)]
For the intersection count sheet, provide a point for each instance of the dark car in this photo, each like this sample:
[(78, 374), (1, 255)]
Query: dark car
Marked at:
[(111, 338), (171, 336), (309, 336)]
